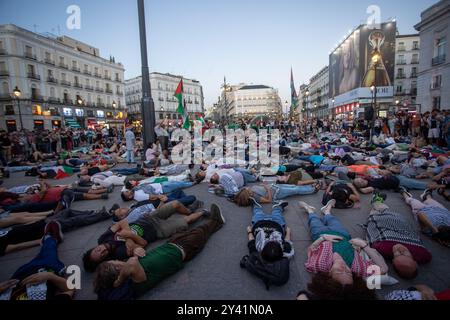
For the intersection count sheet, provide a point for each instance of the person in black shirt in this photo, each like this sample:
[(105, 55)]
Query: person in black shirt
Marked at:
[(124, 240)]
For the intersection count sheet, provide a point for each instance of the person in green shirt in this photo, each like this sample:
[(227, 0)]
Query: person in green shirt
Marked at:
[(118, 280)]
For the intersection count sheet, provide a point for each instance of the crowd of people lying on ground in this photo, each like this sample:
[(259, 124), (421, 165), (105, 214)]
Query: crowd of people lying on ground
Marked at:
[(342, 167)]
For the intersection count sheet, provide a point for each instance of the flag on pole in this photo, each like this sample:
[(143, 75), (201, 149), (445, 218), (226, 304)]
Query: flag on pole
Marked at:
[(294, 96), (187, 122), (179, 95)]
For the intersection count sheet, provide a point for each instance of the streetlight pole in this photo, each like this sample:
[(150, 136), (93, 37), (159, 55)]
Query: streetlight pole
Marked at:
[(17, 94), (147, 106)]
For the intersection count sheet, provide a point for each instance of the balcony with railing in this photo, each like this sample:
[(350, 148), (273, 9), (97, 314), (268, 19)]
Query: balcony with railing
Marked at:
[(401, 62), (119, 93), (37, 98), (100, 105), (68, 102), (53, 100), (76, 69), (33, 76), (98, 75), (438, 60), (89, 88), (401, 76), (49, 61), (52, 80), (108, 90), (30, 56), (66, 83), (107, 77), (87, 72), (415, 61), (118, 80), (63, 65), (4, 73), (98, 89), (413, 75), (4, 96), (78, 85), (401, 48), (415, 48)]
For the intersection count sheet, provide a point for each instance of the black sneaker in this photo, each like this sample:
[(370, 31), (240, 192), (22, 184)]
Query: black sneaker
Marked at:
[(113, 209), (53, 229), (425, 194), (196, 205), (216, 213)]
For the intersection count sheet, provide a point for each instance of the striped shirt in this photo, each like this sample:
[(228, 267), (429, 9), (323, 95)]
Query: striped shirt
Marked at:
[(229, 185)]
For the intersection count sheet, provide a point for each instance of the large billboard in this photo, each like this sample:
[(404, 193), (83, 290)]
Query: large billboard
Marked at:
[(352, 65)]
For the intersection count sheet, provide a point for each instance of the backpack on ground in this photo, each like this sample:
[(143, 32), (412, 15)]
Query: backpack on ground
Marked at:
[(272, 273)]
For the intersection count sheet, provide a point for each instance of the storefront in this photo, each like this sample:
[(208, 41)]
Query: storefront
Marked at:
[(11, 125), (38, 125), (56, 124)]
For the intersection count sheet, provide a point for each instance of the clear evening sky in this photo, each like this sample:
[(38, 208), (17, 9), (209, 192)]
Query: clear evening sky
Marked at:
[(252, 41)]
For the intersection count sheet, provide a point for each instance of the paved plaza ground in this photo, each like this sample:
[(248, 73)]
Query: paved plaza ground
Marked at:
[(215, 273)]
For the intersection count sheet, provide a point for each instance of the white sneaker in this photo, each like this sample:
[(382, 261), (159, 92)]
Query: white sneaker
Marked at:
[(331, 203)]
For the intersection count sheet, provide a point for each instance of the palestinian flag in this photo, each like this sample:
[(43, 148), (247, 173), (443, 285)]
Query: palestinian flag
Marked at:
[(200, 118), (179, 95)]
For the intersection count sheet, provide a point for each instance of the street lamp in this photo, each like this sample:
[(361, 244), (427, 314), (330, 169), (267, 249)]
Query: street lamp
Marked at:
[(79, 101), (17, 93), (114, 104)]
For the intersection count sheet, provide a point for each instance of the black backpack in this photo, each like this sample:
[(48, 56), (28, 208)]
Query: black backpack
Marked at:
[(272, 273)]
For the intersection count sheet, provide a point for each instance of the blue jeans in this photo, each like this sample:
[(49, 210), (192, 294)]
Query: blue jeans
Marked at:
[(412, 184), (319, 226), (126, 171), (31, 207), (248, 176), (171, 186), (181, 197), (130, 156), (276, 216), (46, 259), (283, 191), (19, 169)]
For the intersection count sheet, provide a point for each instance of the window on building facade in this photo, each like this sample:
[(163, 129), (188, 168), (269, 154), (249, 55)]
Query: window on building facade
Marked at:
[(440, 48), (2, 66), (437, 81), (415, 45), (399, 88), (437, 102), (9, 110)]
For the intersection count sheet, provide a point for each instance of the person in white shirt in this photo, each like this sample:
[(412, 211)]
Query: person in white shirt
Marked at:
[(130, 143)]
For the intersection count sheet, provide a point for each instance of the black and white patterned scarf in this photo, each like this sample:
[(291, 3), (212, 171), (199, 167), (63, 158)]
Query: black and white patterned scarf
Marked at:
[(390, 226)]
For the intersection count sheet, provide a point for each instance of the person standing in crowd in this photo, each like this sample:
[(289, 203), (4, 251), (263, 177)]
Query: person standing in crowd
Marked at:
[(130, 143), (162, 135)]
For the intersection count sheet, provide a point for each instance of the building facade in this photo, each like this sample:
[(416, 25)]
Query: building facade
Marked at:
[(163, 89), (318, 94), (407, 55), (249, 101), (434, 68), (62, 83)]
